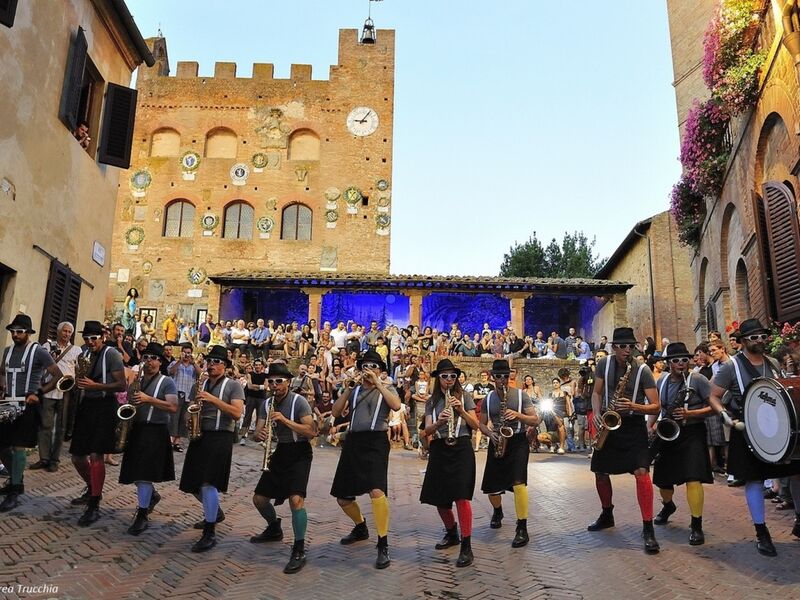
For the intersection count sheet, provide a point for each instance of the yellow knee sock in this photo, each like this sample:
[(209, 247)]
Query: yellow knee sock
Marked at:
[(353, 510), (695, 496), (380, 508), (521, 500)]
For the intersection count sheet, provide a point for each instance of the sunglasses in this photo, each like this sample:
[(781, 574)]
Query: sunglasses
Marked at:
[(370, 365), (679, 361), (17, 331), (216, 361), (757, 337), (276, 381), (501, 376), (91, 338), (150, 357), (624, 346), (448, 376)]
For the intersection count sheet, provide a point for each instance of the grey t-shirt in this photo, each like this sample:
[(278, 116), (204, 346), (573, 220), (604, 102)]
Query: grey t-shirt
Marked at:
[(561, 347), (672, 394), (18, 385), (517, 400), (292, 406), (615, 373), (363, 407), (160, 386), (213, 419), (727, 379), (434, 410), (104, 364)]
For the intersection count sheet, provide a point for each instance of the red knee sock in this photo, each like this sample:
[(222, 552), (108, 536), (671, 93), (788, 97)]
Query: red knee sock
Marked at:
[(97, 476), (447, 516), (464, 508), (603, 485), (644, 494), (82, 467)]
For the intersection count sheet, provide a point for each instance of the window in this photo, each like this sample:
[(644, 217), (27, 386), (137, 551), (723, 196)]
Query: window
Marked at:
[(165, 142), (238, 221), (783, 236), (303, 145), (711, 317), (179, 220), (221, 143), (8, 10), (296, 222), (61, 300)]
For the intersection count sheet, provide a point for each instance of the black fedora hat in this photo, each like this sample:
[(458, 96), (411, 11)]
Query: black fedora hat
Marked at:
[(445, 365), (155, 349), (21, 321), (676, 350), (279, 369), (500, 365), (751, 326), (220, 353), (373, 357), (92, 328), (623, 335)]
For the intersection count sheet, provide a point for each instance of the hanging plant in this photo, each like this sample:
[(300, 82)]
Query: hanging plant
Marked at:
[(705, 149), (689, 211)]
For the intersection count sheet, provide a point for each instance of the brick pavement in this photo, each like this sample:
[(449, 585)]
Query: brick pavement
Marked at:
[(40, 544)]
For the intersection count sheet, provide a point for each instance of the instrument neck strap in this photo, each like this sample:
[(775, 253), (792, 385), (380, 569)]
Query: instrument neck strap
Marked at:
[(155, 393), (636, 385), (377, 408), (221, 395), (26, 364), (54, 346)]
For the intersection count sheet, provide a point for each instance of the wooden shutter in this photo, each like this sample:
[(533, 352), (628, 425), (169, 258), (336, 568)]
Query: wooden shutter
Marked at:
[(73, 81), (784, 245), (61, 300), (116, 133), (8, 10)]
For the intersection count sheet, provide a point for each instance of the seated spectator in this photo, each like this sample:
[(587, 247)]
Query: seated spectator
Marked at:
[(398, 427)]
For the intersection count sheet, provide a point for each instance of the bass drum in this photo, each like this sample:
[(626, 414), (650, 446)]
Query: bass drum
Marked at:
[(772, 419)]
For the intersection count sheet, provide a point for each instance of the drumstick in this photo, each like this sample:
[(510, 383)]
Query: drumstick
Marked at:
[(735, 423)]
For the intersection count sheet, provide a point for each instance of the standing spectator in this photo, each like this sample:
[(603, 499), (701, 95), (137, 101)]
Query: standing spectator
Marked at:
[(479, 393), (170, 328), (148, 330), (420, 394), (204, 332), (703, 360), (339, 336), (582, 350), (372, 335), (254, 393), (531, 388), (571, 341), (716, 433), (581, 404), (184, 373)]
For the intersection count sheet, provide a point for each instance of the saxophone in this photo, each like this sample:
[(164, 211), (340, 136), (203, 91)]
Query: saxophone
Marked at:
[(504, 432), (127, 411), (667, 428), (195, 407), (611, 419), (450, 440), (69, 408), (268, 443)]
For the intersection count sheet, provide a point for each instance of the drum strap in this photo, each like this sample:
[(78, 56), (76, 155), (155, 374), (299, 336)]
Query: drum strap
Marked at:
[(751, 370)]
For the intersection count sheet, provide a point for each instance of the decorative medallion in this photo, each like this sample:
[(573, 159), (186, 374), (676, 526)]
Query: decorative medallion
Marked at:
[(140, 181), (197, 275), (331, 216), (383, 203), (190, 161), (273, 131), (259, 161), (157, 213), (382, 185), (352, 195), (209, 222), (382, 220), (332, 194), (134, 236), (265, 225), (147, 267), (271, 203), (239, 173)]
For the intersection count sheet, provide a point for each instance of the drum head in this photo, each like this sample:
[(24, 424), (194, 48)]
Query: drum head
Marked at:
[(769, 419)]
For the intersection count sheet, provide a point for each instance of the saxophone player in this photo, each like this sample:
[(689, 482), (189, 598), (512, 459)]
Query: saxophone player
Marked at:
[(147, 458), (450, 476), (684, 398), (289, 466), (507, 470), (626, 448)]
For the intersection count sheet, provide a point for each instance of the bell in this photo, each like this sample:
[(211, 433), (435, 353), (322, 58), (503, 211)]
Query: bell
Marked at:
[(368, 33)]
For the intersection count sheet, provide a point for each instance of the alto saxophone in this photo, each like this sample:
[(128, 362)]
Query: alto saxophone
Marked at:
[(83, 366), (450, 440), (611, 419), (505, 432), (127, 411), (195, 407), (268, 443)]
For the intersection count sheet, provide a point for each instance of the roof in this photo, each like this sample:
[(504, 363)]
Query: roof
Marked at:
[(623, 248), (373, 281), (125, 17)]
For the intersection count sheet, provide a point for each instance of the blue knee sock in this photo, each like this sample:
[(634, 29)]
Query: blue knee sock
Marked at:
[(299, 523), (210, 503), (754, 493), (144, 492)]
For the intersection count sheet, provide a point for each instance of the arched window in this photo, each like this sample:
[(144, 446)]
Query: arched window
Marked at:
[(238, 221), (296, 222), (742, 292), (165, 142), (221, 143), (303, 145), (179, 219), (783, 235)]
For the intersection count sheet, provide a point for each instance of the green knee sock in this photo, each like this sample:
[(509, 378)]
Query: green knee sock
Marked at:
[(299, 523), (17, 466)]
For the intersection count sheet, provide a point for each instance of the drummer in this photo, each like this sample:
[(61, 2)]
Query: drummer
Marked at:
[(734, 377)]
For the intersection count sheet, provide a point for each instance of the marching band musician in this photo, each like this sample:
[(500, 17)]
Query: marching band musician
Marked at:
[(734, 377), (147, 457), (685, 459), (510, 471), (450, 475), (626, 448), (364, 461), (290, 464), (22, 368), (207, 467), (94, 434)]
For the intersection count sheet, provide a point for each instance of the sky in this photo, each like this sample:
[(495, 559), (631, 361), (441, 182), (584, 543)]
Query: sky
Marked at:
[(511, 117)]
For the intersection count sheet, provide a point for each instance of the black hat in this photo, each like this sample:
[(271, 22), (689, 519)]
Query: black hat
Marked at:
[(92, 328), (751, 326), (21, 321), (155, 349), (371, 356), (220, 353), (279, 369), (500, 365), (675, 350), (623, 335), (186, 345), (445, 365)]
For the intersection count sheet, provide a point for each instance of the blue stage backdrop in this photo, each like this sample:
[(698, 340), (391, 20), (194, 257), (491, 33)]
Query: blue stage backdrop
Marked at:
[(559, 313), (283, 306), (470, 311), (363, 307)]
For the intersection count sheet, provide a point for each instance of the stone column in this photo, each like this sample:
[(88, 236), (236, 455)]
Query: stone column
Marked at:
[(517, 300), (415, 306), (620, 301), (314, 303), (214, 294)]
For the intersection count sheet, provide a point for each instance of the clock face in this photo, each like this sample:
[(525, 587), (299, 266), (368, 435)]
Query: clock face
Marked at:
[(362, 121)]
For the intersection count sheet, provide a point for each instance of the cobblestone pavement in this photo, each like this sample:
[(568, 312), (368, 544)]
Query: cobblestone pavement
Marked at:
[(40, 544)]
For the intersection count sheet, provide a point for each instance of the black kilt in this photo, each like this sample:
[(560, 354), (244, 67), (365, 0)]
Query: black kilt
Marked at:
[(22, 432), (177, 421), (289, 469), (450, 474), (363, 464), (148, 455), (684, 459), (95, 428), (746, 466), (208, 461), (715, 433), (502, 473), (625, 450)]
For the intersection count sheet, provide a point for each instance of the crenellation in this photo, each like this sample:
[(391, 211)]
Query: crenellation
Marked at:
[(225, 70), (300, 73), (263, 71), (187, 69)]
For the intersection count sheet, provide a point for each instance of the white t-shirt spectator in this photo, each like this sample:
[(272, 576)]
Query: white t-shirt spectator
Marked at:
[(339, 337), (240, 336)]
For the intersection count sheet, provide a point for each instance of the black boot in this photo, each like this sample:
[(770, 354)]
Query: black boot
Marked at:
[(649, 536), (764, 545), (604, 521), (12, 498), (154, 499), (521, 536), (664, 514), (298, 558), (796, 528), (82, 499), (140, 523), (696, 537), (202, 523), (383, 553), (497, 518), (358, 533), (465, 557), (208, 539), (450, 538), (92, 512), (6, 488), (273, 533)]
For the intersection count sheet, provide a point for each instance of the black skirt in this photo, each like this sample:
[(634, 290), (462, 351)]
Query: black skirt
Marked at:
[(95, 426), (148, 455), (746, 466), (208, 462), (289, 468), (22, 432), (625, 450), (450, 474), (363, 465), (503, 473), (177, 421), (684, 459)]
